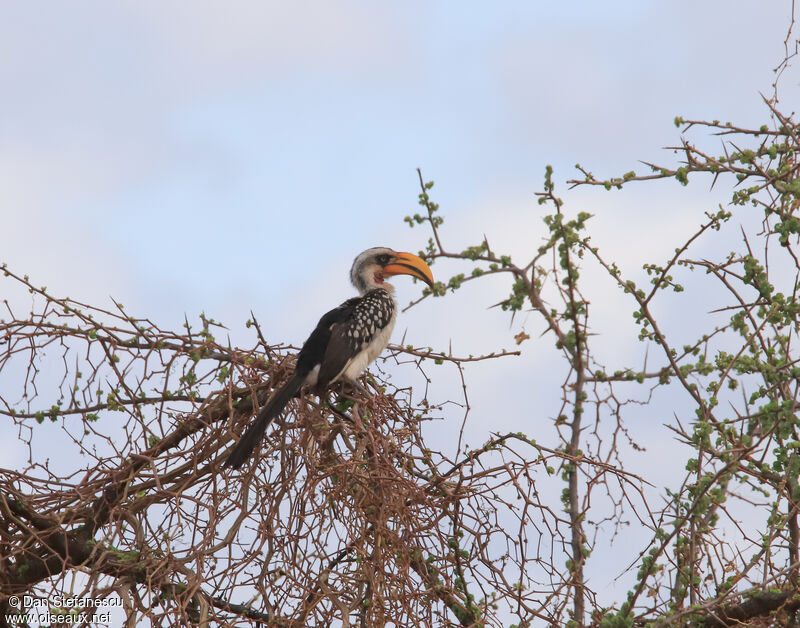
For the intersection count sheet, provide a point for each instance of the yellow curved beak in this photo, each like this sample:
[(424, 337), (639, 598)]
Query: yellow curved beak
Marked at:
[(410, 264)]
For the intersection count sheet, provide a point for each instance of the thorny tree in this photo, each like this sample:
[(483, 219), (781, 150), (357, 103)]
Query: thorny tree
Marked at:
[(350, 517)]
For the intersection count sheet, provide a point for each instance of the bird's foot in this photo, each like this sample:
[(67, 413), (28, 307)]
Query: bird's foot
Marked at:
[(358, 388), (353, 389)]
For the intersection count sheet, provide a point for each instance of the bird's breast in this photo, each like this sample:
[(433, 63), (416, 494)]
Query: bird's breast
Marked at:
[(374, 325)]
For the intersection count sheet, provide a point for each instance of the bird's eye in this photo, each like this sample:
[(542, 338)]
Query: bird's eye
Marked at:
[(383, 259)]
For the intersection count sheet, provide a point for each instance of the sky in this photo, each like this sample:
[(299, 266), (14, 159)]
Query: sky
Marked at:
[(234, 157), (192, 147)]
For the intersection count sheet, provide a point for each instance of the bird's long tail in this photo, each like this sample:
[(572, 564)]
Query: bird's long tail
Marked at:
[(253, 435)]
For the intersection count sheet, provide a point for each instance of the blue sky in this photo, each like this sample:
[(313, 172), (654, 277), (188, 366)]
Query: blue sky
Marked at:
[(229, 157), (193, 146)]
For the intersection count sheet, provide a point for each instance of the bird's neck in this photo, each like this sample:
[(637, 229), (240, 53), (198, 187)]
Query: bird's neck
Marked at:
[(379, 283)]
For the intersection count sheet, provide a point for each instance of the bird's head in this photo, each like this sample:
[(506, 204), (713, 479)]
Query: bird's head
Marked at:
[(372, 267)]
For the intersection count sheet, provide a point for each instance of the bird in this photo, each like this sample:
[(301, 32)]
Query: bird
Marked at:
[(345, 341)]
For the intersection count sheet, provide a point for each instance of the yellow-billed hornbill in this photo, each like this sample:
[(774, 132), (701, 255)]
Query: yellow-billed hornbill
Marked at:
[(345, 340)]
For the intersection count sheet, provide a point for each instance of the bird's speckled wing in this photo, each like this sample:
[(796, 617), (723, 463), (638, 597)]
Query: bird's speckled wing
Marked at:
[(352, 335)]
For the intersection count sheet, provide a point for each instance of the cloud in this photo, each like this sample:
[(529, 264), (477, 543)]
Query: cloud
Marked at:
[(209, 38), (603, 87)]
